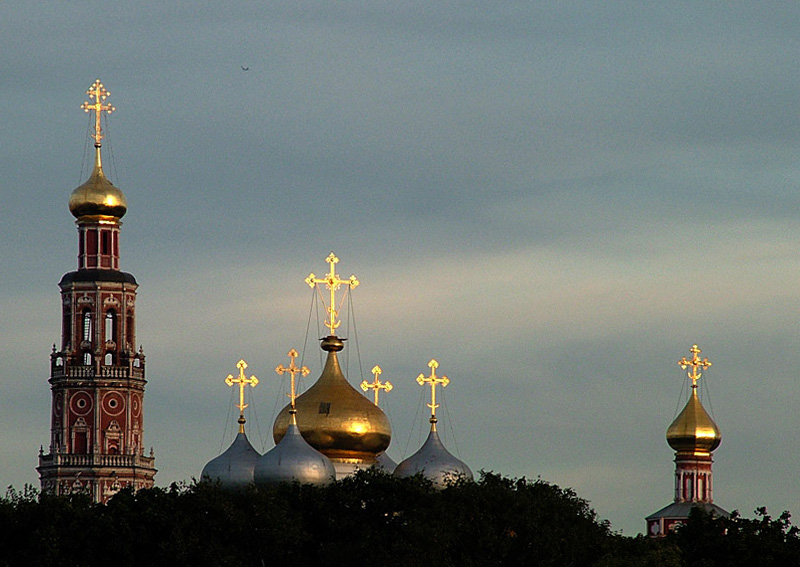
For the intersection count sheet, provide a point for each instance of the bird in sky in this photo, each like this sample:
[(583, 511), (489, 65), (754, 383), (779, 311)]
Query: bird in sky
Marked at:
[(245, 68)]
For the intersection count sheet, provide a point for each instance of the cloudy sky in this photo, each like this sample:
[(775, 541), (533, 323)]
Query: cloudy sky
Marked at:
[(555, 202)]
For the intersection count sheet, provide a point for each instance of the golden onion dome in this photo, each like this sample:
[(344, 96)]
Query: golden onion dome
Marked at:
[(98, 196), (693, 431), (334, 417)]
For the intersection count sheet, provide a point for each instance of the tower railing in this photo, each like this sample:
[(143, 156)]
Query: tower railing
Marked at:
[(123, 372), (96, 460)]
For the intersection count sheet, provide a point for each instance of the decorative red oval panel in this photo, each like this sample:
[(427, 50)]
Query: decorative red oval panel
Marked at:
[(113, 403), (80, 403)]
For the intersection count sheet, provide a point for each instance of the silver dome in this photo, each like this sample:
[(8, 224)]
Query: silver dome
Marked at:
[(293, 459), (385, 463), (435, 463), (234, 467)]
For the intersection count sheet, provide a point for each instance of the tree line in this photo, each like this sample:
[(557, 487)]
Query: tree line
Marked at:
[(370, 518)]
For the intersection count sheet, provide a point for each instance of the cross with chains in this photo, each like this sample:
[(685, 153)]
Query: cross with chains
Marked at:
[(243, 382), (292, 370), (333, 283), (99, 93), (376, 384), (433, 380), (694, 363)]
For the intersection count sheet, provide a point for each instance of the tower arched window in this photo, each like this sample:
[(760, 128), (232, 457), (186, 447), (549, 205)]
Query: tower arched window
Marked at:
[(109, 359), (129, 338), (111, 325), (87, 359), (87, 325), (66, 330)]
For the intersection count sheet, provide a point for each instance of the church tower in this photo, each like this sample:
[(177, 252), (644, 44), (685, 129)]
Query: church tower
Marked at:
[(694, 436), (97, 378)]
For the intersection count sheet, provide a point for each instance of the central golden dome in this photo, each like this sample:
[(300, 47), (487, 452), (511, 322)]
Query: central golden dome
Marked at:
[(335, 418), (693, 431), (98, 196)]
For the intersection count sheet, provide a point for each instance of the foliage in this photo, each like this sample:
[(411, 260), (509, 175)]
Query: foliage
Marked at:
[(709, 541), (370, 518)]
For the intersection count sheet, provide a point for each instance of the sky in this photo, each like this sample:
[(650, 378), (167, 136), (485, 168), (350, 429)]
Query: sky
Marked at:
[(554, 200)]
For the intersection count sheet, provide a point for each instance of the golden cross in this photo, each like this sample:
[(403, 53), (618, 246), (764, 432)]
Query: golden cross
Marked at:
[(376, 385), (433, 380), (333, 283), (292, 370), (242, 381), (99, 93), (694, 363)]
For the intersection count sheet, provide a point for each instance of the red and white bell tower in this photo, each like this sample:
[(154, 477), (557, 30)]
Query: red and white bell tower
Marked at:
[(97, 377)]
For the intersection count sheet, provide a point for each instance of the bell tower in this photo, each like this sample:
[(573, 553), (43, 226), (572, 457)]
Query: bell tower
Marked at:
[(97, 377), (694, 436)]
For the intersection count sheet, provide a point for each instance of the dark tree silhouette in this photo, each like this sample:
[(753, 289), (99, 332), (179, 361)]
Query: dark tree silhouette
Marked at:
[(370, 518)]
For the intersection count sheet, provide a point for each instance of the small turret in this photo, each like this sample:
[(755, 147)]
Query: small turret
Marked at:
[(694, 436), (293, 459), (433, 459), (234, 467)]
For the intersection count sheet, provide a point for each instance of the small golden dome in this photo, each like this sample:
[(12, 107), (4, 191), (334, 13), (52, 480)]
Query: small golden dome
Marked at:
[(97, 196), (693, 431), (335, 418)]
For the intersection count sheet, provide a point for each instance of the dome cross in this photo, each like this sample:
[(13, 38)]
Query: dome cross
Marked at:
[(292, 370), (694, 363), (433, 380), (99, 93), (242, 381), (333, 283), (376, 385)]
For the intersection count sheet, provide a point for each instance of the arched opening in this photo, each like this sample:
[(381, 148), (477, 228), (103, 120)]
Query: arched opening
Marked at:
[(80, 437), (111, 326), (87, 326), (66, 327), (129, 338), (688, 486), (113, 438)]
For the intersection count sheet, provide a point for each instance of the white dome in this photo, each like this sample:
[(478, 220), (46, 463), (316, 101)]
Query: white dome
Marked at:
[(293, 459), (435, 463), (235, 466)]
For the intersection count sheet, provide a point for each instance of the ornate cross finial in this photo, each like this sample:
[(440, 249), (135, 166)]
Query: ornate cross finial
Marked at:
[(99, 93), (242, 381), (694, 363), (292, 369), (433, 380), (332, 282), (376, 384)]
